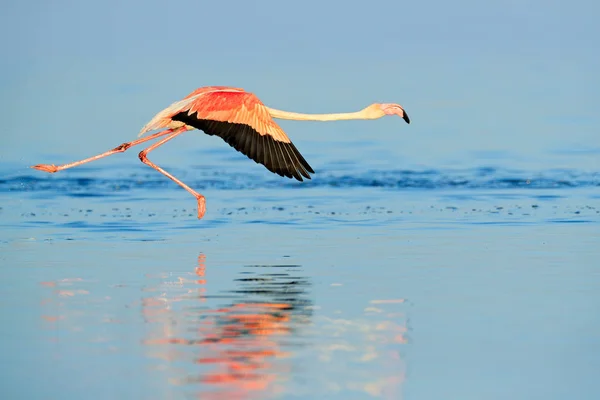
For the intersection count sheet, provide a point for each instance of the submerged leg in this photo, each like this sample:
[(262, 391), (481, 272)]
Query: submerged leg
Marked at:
[(144, 159), (51, 168)]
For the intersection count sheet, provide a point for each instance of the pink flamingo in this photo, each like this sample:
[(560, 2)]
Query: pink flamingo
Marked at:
[(243, 121)]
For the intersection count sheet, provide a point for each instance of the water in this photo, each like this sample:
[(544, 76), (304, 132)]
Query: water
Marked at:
[(452, 258), (357, 284)]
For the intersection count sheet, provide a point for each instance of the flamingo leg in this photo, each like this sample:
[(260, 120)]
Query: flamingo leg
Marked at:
[(51, 168), (143, 158)]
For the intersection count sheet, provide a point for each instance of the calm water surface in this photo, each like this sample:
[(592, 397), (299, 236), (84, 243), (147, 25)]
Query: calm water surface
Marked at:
[(453, 258), (418, 284)]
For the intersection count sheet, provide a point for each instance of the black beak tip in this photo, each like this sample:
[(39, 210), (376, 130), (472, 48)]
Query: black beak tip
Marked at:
[(405, 117)]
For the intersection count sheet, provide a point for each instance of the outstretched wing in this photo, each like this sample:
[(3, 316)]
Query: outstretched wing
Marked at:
[(242, 121)]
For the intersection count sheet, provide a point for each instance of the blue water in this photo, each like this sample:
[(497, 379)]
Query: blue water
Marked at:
[(384, 283), (452, 258)]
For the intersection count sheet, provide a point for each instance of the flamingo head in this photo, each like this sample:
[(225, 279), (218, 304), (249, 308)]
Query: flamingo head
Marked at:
[(379, 110), (394, 109)]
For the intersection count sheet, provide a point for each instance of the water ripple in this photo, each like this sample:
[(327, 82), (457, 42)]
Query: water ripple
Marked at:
[(479, 178)]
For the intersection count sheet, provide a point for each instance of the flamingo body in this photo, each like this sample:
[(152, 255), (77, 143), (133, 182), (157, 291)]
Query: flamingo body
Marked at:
[(241, 120)]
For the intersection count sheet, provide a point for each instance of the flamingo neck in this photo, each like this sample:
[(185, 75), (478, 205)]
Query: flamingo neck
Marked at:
[(316, 117)]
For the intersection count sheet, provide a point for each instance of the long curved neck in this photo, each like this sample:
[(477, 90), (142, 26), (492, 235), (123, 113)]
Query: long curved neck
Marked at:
[(317, 117)]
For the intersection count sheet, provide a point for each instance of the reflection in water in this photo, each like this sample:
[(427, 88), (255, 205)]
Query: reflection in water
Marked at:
[(262, 339), (362, 355), (236, 345)]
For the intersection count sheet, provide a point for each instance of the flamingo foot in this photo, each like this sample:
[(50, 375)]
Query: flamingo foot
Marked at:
[(51, 168), (201, 206)]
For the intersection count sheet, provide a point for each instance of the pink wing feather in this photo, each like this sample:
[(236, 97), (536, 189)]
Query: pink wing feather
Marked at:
[(240, 119)]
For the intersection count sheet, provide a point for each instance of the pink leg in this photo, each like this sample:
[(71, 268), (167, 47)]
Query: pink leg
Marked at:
[(144, 159), (119, 149)]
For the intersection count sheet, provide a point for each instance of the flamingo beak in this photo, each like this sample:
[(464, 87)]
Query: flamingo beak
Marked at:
[(405, 117)]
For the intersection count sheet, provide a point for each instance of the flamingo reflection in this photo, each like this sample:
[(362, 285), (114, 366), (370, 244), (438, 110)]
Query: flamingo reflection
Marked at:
[(257, 341), (239, 345)]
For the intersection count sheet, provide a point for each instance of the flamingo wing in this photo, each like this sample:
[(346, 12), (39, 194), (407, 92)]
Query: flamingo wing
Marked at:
[(241, 120)]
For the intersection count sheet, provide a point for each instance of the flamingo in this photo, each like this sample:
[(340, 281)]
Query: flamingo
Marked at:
[(241, 120)]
